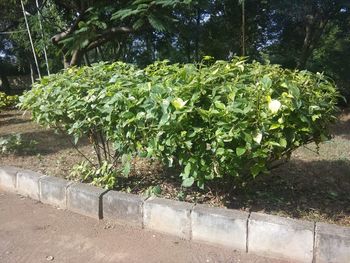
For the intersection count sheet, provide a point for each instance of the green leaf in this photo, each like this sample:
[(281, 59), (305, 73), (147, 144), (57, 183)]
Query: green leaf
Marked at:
[(220, 151), (178, 103), (255, 170), (275, 126), (240, 151), (283, 142), (266, 81), (187, 170), (157, 190), (219, 105), (156, 23), (188, 182)]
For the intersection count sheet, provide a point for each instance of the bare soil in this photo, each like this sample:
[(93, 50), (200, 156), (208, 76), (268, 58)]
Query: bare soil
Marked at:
[(312, 186), (32, 233)]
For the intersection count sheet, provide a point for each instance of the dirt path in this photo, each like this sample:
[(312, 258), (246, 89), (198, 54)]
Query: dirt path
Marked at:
[(33, 232)]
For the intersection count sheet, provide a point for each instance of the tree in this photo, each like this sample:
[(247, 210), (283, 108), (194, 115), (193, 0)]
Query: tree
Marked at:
[(300, 30), (295, 34), (98, 22)]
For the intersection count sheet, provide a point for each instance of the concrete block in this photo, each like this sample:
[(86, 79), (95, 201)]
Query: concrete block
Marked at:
[(124, 207), (220, 226), (8, 177), (332, 244), (168, 216), (85, 199), (281, 237), (53, 191), (28, 183)]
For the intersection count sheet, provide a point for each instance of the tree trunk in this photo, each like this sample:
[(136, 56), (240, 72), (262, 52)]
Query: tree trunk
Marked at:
[(87, 60), (99, 51), (65, 61), (314, 28), (305, 51), (75, 58), (311, 39), (31, 73)]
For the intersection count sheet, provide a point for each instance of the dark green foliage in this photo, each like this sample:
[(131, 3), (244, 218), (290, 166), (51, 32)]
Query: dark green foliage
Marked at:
[(226, 118)]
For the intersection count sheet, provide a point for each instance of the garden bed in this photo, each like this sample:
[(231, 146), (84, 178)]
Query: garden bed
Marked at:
[(310, 186)]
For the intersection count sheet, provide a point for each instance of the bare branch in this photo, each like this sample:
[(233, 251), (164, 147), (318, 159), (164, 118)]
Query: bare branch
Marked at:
[(58, 37), (107, 35)]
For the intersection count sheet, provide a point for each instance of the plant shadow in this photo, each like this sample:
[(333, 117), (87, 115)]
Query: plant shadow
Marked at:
[(313, 190), (45, 142), (10, 114), (13, 121)]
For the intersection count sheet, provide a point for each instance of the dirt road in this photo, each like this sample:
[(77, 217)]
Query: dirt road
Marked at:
[(32, 232)]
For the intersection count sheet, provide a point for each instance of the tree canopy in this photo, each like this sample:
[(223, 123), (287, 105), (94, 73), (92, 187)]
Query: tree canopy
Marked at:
[(302, 34)]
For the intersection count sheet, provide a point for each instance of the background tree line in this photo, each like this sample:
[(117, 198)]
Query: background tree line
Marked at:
[(303, 34)]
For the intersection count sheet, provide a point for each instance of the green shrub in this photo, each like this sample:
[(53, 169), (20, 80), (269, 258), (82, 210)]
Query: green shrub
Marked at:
[(7, 101), (227, 118), (104, 176)]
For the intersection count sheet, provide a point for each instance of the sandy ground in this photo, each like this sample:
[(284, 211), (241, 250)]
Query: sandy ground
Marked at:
[(32, 232)]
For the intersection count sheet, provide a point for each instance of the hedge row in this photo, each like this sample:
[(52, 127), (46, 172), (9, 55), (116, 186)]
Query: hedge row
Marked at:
[(226, 118)]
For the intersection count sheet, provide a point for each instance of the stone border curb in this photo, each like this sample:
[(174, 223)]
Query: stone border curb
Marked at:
[(281, 237), (268, 235), (332, 243), (168, 216), (220, 226), (123, 207)]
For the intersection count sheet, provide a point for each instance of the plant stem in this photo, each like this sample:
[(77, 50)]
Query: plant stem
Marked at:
[(103, 145), (75, 147)]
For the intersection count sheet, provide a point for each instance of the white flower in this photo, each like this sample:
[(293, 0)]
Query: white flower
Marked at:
[(274, 106), (258, 137)]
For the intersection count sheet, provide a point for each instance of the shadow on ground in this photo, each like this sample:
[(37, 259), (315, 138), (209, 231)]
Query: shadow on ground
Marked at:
[(13, 121), (10, 114), (315, 189), (45, 142)]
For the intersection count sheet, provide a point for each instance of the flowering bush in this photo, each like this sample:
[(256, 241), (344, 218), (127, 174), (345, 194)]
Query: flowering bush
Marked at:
[(227, 118)]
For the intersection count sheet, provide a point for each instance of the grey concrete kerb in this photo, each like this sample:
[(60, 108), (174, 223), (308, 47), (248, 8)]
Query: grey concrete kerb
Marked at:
[(8, 177), (28, 183), (281, 237), (332, 243), (85, 199), (220, 226), (123, 207), (168, 216), (268, 235), (53, 191)]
